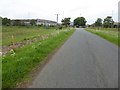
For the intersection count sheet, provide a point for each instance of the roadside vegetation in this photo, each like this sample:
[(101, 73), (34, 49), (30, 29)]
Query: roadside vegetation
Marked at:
[(19, 63), (14, 34), (26, 46), (30, 45), (107, 29), (110, 34)]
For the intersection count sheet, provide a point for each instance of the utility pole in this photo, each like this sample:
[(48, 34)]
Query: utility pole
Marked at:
[(57, 17)]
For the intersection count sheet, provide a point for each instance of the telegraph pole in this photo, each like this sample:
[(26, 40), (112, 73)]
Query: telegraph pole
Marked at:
[(57, 17)]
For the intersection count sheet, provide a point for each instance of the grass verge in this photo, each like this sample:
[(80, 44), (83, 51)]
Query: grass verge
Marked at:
[(18, 64), (108, 34), (13, 34)]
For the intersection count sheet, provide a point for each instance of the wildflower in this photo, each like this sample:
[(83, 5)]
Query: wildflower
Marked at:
[(0, 53), (12, 52), (33, 46)]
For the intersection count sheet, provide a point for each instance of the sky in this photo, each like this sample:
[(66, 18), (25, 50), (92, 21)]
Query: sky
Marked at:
[(46, 9)]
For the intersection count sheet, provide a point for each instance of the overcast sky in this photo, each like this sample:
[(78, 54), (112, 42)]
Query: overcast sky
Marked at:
[(46, 9)]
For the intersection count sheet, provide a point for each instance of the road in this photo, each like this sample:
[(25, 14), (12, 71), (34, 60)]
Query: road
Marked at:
[(84, 61)]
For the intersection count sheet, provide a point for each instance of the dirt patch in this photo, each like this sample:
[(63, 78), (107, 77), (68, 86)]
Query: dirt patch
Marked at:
[(6, 49)]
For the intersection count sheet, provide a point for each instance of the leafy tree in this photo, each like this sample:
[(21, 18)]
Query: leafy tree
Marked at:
[(0, 17), (108, 22), (80, 21), (0, 20), (33, 22), (66, 21), (17, 22), (98, 22), (5, 21)]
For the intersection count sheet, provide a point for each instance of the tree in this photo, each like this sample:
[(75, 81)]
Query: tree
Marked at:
[(80, 21), (108, 22), (66, 21), (98, 22), (0, 18), (17, 22), (32, 22), (0, 21), (5, 21)]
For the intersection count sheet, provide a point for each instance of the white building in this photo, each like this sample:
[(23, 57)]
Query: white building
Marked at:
[(45, 22), (37, 21)]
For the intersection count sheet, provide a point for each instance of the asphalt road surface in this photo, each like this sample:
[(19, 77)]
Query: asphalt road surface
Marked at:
[(84, 61)]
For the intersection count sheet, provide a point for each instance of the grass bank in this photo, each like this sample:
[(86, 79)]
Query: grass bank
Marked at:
[(19, 33), (110, 34), (17, 65)]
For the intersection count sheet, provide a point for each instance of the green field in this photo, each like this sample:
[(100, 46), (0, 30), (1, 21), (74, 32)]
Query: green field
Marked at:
[(110, 34), (19, 33), (18, 64)]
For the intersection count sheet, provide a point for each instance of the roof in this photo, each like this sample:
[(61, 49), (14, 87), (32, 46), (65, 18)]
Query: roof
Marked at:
[(39, 20), (43, 20), (116, 23)]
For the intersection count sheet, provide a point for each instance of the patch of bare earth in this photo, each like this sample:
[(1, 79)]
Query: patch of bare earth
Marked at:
[(13, 46), (7, 48)]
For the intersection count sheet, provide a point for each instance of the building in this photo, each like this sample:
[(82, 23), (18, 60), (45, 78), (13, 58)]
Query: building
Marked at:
[(116, 25), (45, 22), (36, 21), (71, 23), (16, 22)]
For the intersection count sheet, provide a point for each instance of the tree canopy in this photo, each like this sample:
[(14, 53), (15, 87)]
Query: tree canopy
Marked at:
[(66, 21), (80, 21), (108, 22), (33, 22), (5, 21), (98, 22)]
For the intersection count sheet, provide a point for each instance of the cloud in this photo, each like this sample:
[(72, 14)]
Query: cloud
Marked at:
[(91, 9)]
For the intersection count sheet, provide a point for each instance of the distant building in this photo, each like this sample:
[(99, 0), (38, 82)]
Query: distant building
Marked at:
[(116, 25), (45, 22), (37, 22), (71, 23), (16, 22)]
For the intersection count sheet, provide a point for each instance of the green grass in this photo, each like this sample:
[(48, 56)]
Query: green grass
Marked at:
[(21, 33), (110, 34), (17, 65), (106, 29), (0, 72)]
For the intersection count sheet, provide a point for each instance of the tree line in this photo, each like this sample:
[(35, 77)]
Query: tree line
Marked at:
[(7, 22), (108, 22), (79, 21)]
